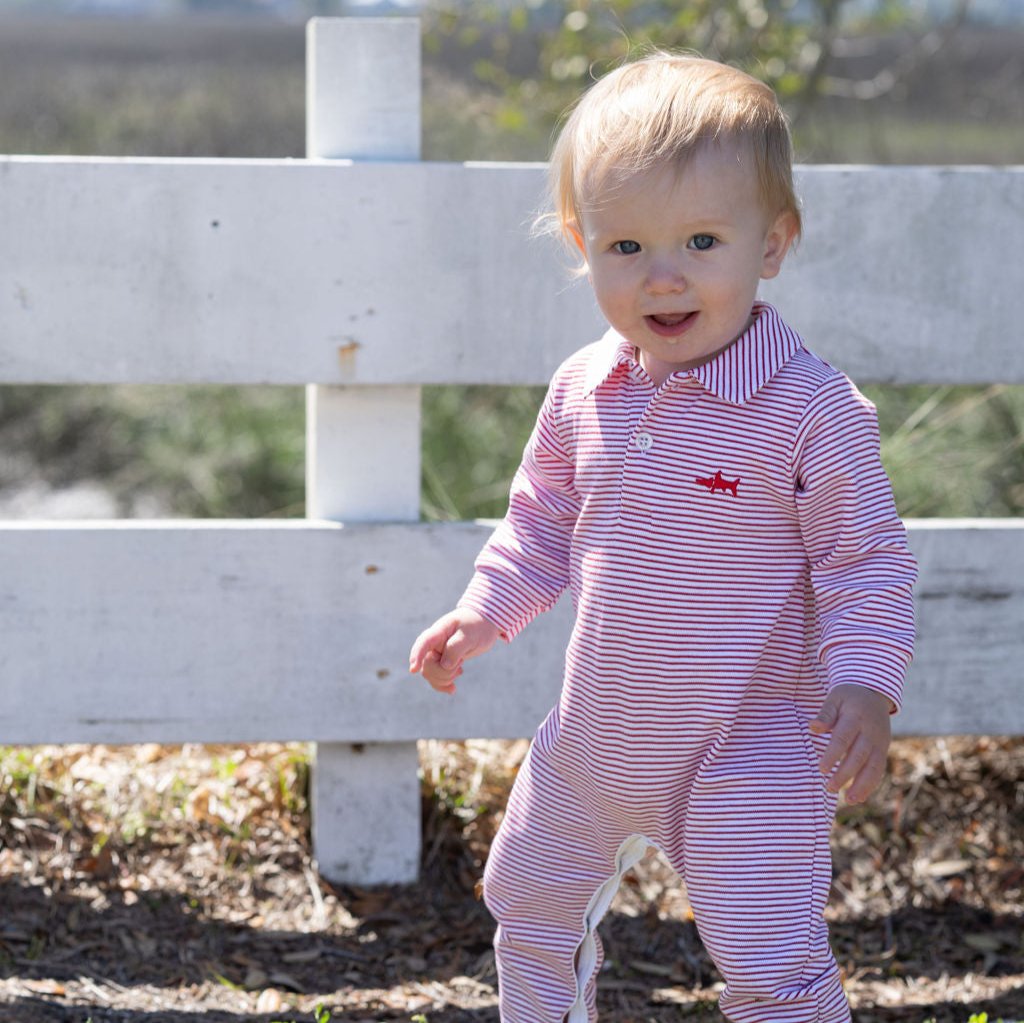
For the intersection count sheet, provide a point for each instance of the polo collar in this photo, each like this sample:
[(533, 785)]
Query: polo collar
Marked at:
[(734, 375)]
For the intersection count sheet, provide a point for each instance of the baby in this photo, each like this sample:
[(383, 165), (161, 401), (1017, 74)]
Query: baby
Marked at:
[(712, 495)]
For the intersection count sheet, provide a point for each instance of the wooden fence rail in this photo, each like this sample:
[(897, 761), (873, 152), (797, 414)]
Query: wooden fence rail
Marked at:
[(366, 274)]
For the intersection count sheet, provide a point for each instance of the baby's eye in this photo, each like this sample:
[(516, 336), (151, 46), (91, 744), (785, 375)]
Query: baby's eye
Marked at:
[(627, 248), (702, 242)]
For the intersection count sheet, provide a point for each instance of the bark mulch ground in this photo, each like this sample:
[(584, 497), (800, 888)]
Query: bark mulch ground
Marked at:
[(167, 884)]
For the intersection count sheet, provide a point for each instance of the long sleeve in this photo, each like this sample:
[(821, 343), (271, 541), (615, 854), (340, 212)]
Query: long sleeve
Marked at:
[(862, 571), (524, 567)]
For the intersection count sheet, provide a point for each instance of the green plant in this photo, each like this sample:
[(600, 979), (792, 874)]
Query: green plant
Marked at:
[(473, 438), (320, 1015), (533, 59), (976, 1017), (953, 451)]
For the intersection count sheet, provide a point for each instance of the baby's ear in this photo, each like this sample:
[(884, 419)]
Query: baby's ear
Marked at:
[(780, 236)]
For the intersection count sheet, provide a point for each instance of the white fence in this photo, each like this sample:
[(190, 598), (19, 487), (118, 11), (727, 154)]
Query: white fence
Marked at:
[(365, 274)]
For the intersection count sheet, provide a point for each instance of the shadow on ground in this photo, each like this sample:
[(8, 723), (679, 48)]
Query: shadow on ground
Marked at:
[(410, 945)]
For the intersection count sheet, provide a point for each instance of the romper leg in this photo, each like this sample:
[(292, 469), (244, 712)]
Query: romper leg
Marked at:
[(758, 871), (551, 875)]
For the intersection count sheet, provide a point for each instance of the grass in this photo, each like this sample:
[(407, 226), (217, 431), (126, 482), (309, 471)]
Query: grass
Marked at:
[(123, 802), (473, 438), (225, 452), (954, 451), (210, 87), (220, 452), (950, 451), (321, 1015), (866, 136), (978, 1017)]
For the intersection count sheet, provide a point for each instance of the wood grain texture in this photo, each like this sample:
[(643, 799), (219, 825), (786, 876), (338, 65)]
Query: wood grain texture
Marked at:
[(203, 632), (332, 272), (363, 101)]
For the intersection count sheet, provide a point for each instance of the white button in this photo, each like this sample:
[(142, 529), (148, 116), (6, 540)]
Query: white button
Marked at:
[(644, 441)]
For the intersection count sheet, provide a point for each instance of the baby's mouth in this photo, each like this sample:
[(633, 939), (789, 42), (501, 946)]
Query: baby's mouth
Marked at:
[(670, 324)]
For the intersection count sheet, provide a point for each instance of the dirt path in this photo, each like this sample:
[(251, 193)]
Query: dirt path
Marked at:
[(163, 884)]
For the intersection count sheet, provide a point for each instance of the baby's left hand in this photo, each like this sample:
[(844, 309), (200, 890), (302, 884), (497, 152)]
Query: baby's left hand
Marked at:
[(858, 719)]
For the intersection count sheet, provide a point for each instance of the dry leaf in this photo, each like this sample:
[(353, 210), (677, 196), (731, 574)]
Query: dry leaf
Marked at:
[(943, 868), (654, 969), (45, 987), (307, 955), (269, 1001)]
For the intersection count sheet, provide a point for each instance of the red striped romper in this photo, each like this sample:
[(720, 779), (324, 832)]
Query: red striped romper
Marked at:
[(733, 550)]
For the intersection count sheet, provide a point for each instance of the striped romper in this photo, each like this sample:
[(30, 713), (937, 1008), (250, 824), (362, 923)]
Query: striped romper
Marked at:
[(733, 551)]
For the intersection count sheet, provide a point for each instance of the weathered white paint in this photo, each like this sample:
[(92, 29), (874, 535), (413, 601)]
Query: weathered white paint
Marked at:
[(892, 281), (967, 676), (363, 88), (363, 444), (361, 813), (244, 631), (235, 631), (363, 454), (322, 272)]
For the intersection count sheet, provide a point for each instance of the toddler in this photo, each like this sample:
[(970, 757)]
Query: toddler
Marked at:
[(712, 495)]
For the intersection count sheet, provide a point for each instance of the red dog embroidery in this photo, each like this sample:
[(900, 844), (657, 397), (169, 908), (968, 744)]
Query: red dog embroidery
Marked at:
[(716, 482)]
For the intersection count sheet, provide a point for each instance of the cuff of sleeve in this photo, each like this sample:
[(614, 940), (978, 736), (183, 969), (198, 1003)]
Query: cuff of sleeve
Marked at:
[(876, 667), (497, 604)]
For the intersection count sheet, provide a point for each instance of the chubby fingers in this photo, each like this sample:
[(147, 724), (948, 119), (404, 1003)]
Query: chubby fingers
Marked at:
[(430, 643), (441, 679), (443, 666), (461, 645), (852, 759), (858, 720), (439, 652), (446, 641), (866, 780)]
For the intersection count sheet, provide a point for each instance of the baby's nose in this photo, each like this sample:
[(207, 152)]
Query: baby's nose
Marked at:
[(665, 276)]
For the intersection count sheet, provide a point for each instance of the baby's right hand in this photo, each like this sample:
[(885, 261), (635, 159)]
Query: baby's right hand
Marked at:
[(439, 651)]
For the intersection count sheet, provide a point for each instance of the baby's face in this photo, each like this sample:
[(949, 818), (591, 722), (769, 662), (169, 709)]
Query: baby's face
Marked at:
[(675, 256)]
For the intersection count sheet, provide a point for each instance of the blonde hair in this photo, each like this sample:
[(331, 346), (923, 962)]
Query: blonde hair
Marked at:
[(664, 107)]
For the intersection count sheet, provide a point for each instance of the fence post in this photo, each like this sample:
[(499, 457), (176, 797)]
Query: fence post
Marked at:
[(363, 98)]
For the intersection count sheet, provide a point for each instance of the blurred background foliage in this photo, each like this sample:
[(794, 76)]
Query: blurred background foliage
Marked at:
[(882, 82)]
